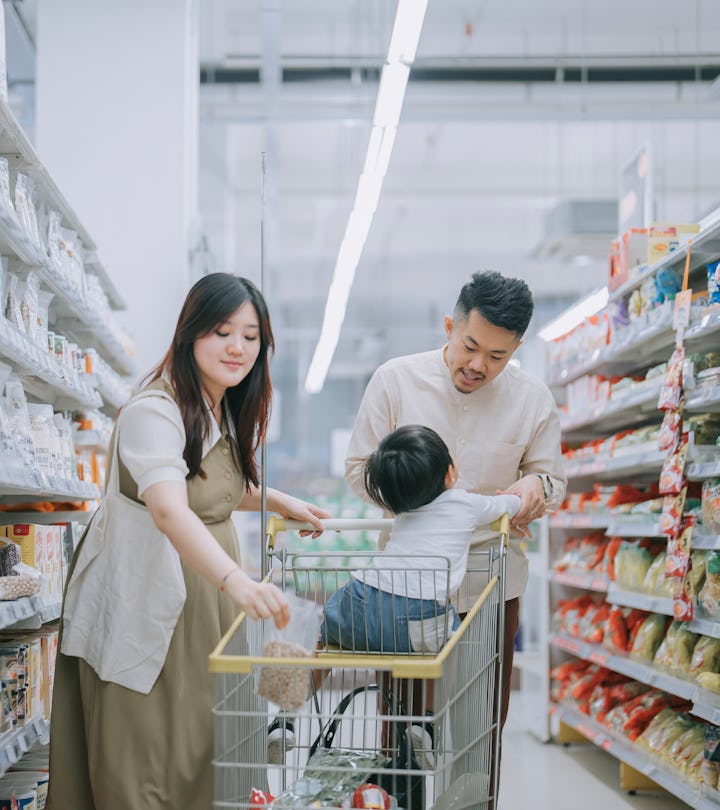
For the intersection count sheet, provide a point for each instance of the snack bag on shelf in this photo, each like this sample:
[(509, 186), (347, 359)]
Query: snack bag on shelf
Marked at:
[(655, 582), (671, 518), (670, 431), (709, 596), (613, 547), (710, 768), (706, 656), (676, 649), (663, 730), (671, 391), (677, 560), (711, 506), (632, 563), (672, 475), (686, 746), (649, 636), (709, 681)]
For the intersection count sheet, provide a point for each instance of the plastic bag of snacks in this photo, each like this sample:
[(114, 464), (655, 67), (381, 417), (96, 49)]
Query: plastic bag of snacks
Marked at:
[(711, 506), (287, 686), (709, 596), (649, 636)]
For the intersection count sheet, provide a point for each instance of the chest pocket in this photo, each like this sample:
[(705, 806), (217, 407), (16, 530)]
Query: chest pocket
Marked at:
[(493, 465)]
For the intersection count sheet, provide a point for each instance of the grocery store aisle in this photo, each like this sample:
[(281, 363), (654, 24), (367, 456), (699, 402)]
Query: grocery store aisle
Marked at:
[(539, 776)]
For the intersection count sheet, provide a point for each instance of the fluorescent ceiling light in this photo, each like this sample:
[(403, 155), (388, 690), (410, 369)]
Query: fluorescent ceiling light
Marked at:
[(391, 92), (575, 315)]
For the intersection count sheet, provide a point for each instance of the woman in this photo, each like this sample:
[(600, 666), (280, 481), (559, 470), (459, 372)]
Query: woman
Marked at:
[(186, 448)]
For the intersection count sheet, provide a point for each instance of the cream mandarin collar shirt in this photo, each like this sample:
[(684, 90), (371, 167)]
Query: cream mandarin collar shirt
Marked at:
[(495, 434)]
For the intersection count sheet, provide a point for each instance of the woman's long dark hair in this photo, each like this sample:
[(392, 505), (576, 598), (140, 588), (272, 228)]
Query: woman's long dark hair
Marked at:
[(211, 302)]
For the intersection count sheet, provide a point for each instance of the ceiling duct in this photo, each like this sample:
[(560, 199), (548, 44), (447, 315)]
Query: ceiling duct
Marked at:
[(579, 228)]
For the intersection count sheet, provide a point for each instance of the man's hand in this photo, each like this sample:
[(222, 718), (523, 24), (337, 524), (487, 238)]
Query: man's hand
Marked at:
[(529, 489)]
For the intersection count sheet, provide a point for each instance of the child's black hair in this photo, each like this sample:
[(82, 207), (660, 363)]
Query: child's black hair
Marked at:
[(408, 469)]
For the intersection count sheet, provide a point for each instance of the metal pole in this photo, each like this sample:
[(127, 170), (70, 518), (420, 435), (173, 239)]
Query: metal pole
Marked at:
[(263, 449)]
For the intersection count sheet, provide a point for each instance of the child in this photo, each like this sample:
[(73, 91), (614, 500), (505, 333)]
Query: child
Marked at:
[(400, 603)]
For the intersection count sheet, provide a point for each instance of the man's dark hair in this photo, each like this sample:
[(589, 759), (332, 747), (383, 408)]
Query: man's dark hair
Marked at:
[(505, 302), (408, 469)]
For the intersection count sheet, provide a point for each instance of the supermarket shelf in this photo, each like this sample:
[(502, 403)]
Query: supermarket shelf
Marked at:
[(579, 521), (634, 526), (14, 241), (44, 613), (701, 470), (48, 488), (635, 407), (705, 627), (532, 662), (46, 518), (703, 400), (703, 335), (635, 757), (14, 744), (705, 704), (42, 375), (591, 582), (643, 601), (114, 391), (15, 610), (640, 349), (635, 466), (704, 248), (91, 440), (709, 541), (14, 141)]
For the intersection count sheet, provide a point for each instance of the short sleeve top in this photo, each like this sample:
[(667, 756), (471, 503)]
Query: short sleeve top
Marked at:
[(151, 441)]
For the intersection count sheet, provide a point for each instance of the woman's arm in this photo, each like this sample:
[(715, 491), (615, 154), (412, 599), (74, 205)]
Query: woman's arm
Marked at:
[(285, 505), (168, 505)]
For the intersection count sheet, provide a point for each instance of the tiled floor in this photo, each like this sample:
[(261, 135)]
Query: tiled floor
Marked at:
[(546, 776)]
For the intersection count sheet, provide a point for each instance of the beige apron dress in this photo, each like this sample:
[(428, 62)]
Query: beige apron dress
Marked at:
[(112, 748)]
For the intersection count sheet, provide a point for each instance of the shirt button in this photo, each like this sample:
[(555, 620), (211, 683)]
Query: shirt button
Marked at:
[(228, 475), (228, 498), (225, 451)]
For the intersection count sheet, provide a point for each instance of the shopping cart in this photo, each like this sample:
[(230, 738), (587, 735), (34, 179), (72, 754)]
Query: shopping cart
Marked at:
[(421, 726)]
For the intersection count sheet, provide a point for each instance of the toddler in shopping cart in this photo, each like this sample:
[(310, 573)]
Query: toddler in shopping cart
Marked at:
[(401, 602)]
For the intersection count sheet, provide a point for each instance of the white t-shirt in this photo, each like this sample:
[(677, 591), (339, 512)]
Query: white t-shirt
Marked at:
[(442, 528)]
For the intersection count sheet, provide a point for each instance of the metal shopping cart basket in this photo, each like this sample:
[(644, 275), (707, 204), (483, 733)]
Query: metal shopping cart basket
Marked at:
[(422, 727)]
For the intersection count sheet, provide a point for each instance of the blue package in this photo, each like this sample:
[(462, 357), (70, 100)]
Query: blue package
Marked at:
[(713, 274)]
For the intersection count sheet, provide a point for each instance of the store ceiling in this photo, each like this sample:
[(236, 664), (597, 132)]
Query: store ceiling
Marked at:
[(506, 115)]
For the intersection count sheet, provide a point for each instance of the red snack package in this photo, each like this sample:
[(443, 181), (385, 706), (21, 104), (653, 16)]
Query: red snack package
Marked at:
[(671, 391), (671, 477), (670, 431), (371, 797), (671, 518), (259, 798), (678, 550)]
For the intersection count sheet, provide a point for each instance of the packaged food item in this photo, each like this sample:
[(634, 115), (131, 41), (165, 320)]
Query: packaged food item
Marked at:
[(29, 304), (709, 596), (649, 636), (706, 656), (677, 560), (6, 205), (671, 391), (671, 518), (12, 303), (713, 282), (671, 477), (288, 686), (670, 430), (710, 768), (711, 506)]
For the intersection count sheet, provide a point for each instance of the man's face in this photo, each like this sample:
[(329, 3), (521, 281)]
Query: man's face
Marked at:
[(477, 351)]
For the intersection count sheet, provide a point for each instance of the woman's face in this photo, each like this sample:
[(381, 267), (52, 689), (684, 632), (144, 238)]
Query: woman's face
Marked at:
[(226, 355)]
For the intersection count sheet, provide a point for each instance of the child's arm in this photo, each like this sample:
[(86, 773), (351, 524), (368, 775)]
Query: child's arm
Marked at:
[(490, 507)]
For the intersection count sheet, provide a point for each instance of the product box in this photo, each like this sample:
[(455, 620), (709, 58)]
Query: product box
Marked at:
[(665, 237), (634, 249)]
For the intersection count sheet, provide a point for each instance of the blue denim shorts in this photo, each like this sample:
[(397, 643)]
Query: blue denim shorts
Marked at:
[(362, 618)]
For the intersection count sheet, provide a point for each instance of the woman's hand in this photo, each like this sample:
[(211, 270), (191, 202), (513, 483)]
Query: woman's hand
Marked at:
[(295, 509), (260, 600)]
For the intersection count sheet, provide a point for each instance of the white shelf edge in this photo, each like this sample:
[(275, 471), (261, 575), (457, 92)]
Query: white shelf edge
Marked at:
[(13, 744), (643, 601), (579, 521), (635, 758), (580, 579)]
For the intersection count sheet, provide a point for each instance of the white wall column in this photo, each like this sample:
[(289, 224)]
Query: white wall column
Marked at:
[(117, 88)]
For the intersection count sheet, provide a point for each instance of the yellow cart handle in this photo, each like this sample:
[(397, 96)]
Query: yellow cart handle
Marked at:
[(276, 524)]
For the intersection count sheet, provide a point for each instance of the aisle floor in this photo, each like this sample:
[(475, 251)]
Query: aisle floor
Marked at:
[(546, 776)]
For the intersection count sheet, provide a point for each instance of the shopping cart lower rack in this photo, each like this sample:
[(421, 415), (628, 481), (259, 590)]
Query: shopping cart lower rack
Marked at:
[(423, 728)]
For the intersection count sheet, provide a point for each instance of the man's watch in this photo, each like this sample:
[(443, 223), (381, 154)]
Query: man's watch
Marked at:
[(547, 484)]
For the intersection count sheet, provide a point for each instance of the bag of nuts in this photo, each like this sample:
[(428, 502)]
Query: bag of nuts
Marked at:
[(287, 686)]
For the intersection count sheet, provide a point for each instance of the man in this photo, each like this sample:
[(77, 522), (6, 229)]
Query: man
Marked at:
[(499, 422)]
